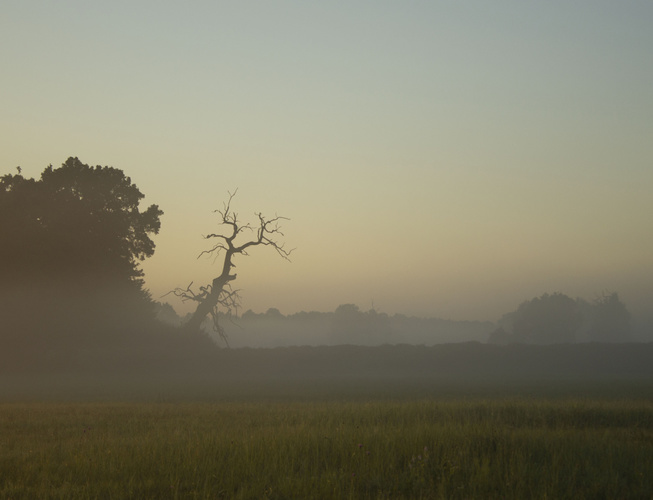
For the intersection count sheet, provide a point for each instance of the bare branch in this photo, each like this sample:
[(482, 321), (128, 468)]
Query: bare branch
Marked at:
[(216, 249), (213, 299), (265, 232), (186, 294)]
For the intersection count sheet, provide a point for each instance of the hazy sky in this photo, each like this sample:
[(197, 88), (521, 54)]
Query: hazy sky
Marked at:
[(440, 158)]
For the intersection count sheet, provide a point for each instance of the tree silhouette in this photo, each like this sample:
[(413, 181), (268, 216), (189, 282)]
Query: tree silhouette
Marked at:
[(551, 318), (610, 321), (71, 246), (220, 293)]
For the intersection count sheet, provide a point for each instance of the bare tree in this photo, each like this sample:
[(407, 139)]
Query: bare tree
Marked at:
[(220, 293)]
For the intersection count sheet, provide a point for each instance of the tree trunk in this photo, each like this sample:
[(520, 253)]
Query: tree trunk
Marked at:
[(205, 307)]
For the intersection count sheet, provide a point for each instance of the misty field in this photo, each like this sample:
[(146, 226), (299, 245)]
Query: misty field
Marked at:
[(474, 448)]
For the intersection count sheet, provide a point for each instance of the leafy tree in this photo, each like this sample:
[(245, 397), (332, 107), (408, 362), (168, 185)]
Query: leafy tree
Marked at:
[(274, 313), (557, 318), (349, 323), (610, 321), (547, 319), (500, 336), (348, 311), (71, 246), (167, 314)]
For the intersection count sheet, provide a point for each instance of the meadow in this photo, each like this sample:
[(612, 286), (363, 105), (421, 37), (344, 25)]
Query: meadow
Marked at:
[(512, 446)]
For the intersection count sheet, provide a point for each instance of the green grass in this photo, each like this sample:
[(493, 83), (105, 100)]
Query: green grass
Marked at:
[(474, 448)]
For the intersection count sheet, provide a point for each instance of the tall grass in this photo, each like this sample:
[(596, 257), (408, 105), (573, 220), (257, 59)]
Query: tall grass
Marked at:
[(494, 448)]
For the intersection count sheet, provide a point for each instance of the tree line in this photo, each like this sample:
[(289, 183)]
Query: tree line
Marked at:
[(557, 318), (73, 241), (347, 324), (548, 319)]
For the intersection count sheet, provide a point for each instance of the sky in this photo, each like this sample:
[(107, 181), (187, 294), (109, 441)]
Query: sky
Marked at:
[(445, 159)]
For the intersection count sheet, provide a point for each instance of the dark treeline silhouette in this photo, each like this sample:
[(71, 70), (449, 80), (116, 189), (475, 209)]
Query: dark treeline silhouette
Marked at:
[(346, 325), (556, 318), (548, 319), (72, 300), (71, 288)]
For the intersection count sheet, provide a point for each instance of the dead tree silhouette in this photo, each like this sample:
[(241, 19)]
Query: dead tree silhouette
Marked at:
[(220, 293)]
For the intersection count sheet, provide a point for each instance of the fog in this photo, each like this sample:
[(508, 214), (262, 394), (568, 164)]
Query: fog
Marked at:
[(347, 353), (78, 320), (480, 156), (429, 193), (551, 318)]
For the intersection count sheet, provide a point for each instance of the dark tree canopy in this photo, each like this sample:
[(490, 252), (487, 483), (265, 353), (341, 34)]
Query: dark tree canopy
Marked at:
[(557, 318), (74, 221), (549, 319), (71, 246), (610, 321)]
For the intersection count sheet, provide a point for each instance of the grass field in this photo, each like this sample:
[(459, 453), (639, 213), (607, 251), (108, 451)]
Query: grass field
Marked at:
[(474, 447)]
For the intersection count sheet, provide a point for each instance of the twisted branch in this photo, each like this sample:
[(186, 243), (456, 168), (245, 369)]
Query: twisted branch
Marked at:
[(220, 293)]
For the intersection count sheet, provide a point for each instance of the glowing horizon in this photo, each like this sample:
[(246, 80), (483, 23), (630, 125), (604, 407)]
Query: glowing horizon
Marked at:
[(437, 160)]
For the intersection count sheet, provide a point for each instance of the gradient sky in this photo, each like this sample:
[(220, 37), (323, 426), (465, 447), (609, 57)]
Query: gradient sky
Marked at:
[(443, 158)]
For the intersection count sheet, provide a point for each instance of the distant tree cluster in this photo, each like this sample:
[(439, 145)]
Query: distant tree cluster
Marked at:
[(348, 324), (72, 242), (557, 318)]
